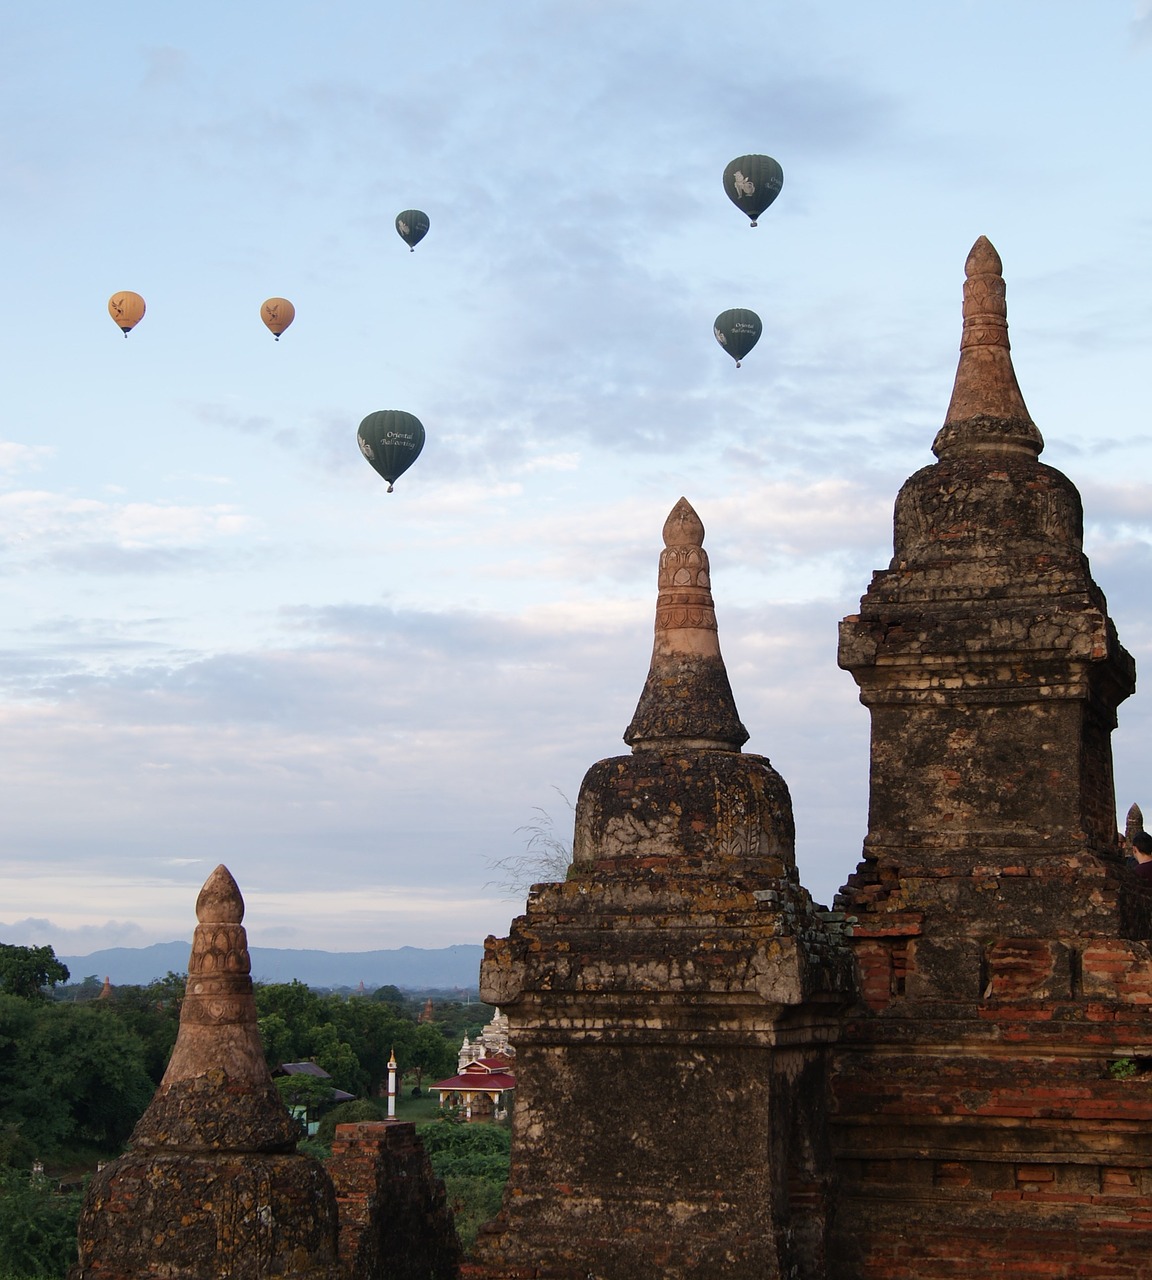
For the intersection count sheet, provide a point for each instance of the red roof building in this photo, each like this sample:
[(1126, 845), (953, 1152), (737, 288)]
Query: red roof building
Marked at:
[(482, 1090)]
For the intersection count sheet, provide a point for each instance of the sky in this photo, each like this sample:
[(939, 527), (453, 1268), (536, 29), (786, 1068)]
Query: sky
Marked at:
[(223, 641)]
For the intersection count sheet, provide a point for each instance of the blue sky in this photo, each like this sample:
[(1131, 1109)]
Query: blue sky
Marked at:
[(223, 641)]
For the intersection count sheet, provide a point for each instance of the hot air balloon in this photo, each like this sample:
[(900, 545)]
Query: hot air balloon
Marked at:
[(127, 309), (412, 226), (391, 440), (277, 314), (752, 183), (737, 331)]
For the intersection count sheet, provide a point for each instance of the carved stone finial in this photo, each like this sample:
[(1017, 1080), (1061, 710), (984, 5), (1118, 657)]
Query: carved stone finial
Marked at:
[(218, 1091), (219, 901), (1134, 823), (987, 413), (687, 700), (212, 1184)]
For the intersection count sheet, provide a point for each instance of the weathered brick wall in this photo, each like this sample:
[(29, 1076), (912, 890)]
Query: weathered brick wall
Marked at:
[(672, 1002), (394, 1218), (977, 1128)]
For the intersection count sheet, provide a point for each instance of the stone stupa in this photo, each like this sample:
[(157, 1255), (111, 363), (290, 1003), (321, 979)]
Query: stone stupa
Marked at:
[(212, 1187)]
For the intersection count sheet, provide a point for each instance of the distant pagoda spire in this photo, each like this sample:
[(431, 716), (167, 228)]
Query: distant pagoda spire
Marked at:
[(687, 700), (987, 412)]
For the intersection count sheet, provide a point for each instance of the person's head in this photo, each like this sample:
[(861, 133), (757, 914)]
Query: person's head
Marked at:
[(1142, 846)]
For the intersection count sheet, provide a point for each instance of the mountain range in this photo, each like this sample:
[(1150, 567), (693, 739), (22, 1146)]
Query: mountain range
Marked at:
[(414, 968)]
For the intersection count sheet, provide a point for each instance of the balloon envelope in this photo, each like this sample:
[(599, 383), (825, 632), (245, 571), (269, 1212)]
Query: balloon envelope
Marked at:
[(737, 331), (277, 314), (127, 309), (752, 183), (412, 227), (391, 440)]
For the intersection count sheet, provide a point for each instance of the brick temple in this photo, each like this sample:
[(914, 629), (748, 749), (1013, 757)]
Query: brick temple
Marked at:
[(949, 1110), (948, 1075)]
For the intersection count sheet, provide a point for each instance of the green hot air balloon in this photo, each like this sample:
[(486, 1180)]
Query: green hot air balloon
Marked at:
[(391, 440), (752, 183), (412, 227), (737, 331)]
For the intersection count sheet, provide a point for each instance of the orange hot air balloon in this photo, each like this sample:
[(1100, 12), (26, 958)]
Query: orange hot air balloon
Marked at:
[(127, 309), (277, 314)]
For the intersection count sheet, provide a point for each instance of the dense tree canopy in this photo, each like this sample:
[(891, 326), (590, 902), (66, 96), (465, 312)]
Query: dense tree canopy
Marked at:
[(76, 1073), (352, 1038), (27, 971), (70, 1076)]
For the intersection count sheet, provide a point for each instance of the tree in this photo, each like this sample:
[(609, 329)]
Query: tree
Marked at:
[(338, 1058), (430, 1053), (37, 1225), (305, 1091), (70, 1075), (26, 971), (152, 1014), (374, 1030)]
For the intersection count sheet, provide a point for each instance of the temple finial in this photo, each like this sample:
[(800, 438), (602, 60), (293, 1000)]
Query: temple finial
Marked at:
[(220, 901), (687, 701), (987, 413), (217, 1091)]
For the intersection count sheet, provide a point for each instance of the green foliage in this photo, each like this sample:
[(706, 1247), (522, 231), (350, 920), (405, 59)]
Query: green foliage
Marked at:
[(472, 1201), (467, 1150), (351, 1038), (388, 994), (70, 1075), (152, 1015), (431, 1053), (37, 1226), (347, 1113), (79, 992), (454, 1020), (278, 1038), (312, 1092), (1123, 1069), (336, 1056), (26, 971)]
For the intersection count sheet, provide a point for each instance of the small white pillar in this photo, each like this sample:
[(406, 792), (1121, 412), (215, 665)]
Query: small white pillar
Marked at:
[(391, 1084)]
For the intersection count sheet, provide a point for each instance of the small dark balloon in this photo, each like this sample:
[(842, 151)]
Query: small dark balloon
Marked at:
[(391, 440), (737, 331), (752, 183), (412, 227)]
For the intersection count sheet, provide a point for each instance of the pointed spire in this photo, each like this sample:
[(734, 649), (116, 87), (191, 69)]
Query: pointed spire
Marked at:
[(687, 701), (987, 412), (218, 1091), (1134, 823)]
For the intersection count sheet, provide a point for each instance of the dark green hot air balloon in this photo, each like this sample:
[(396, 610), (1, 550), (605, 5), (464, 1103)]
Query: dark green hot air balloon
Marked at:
[(737, 331), (391, 440), (752, 183), (412, 227)]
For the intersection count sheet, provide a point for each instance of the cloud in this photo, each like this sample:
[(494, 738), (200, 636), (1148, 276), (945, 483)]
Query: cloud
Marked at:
[(22, 457), (74, 939), (404, 744), (90, 536)]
